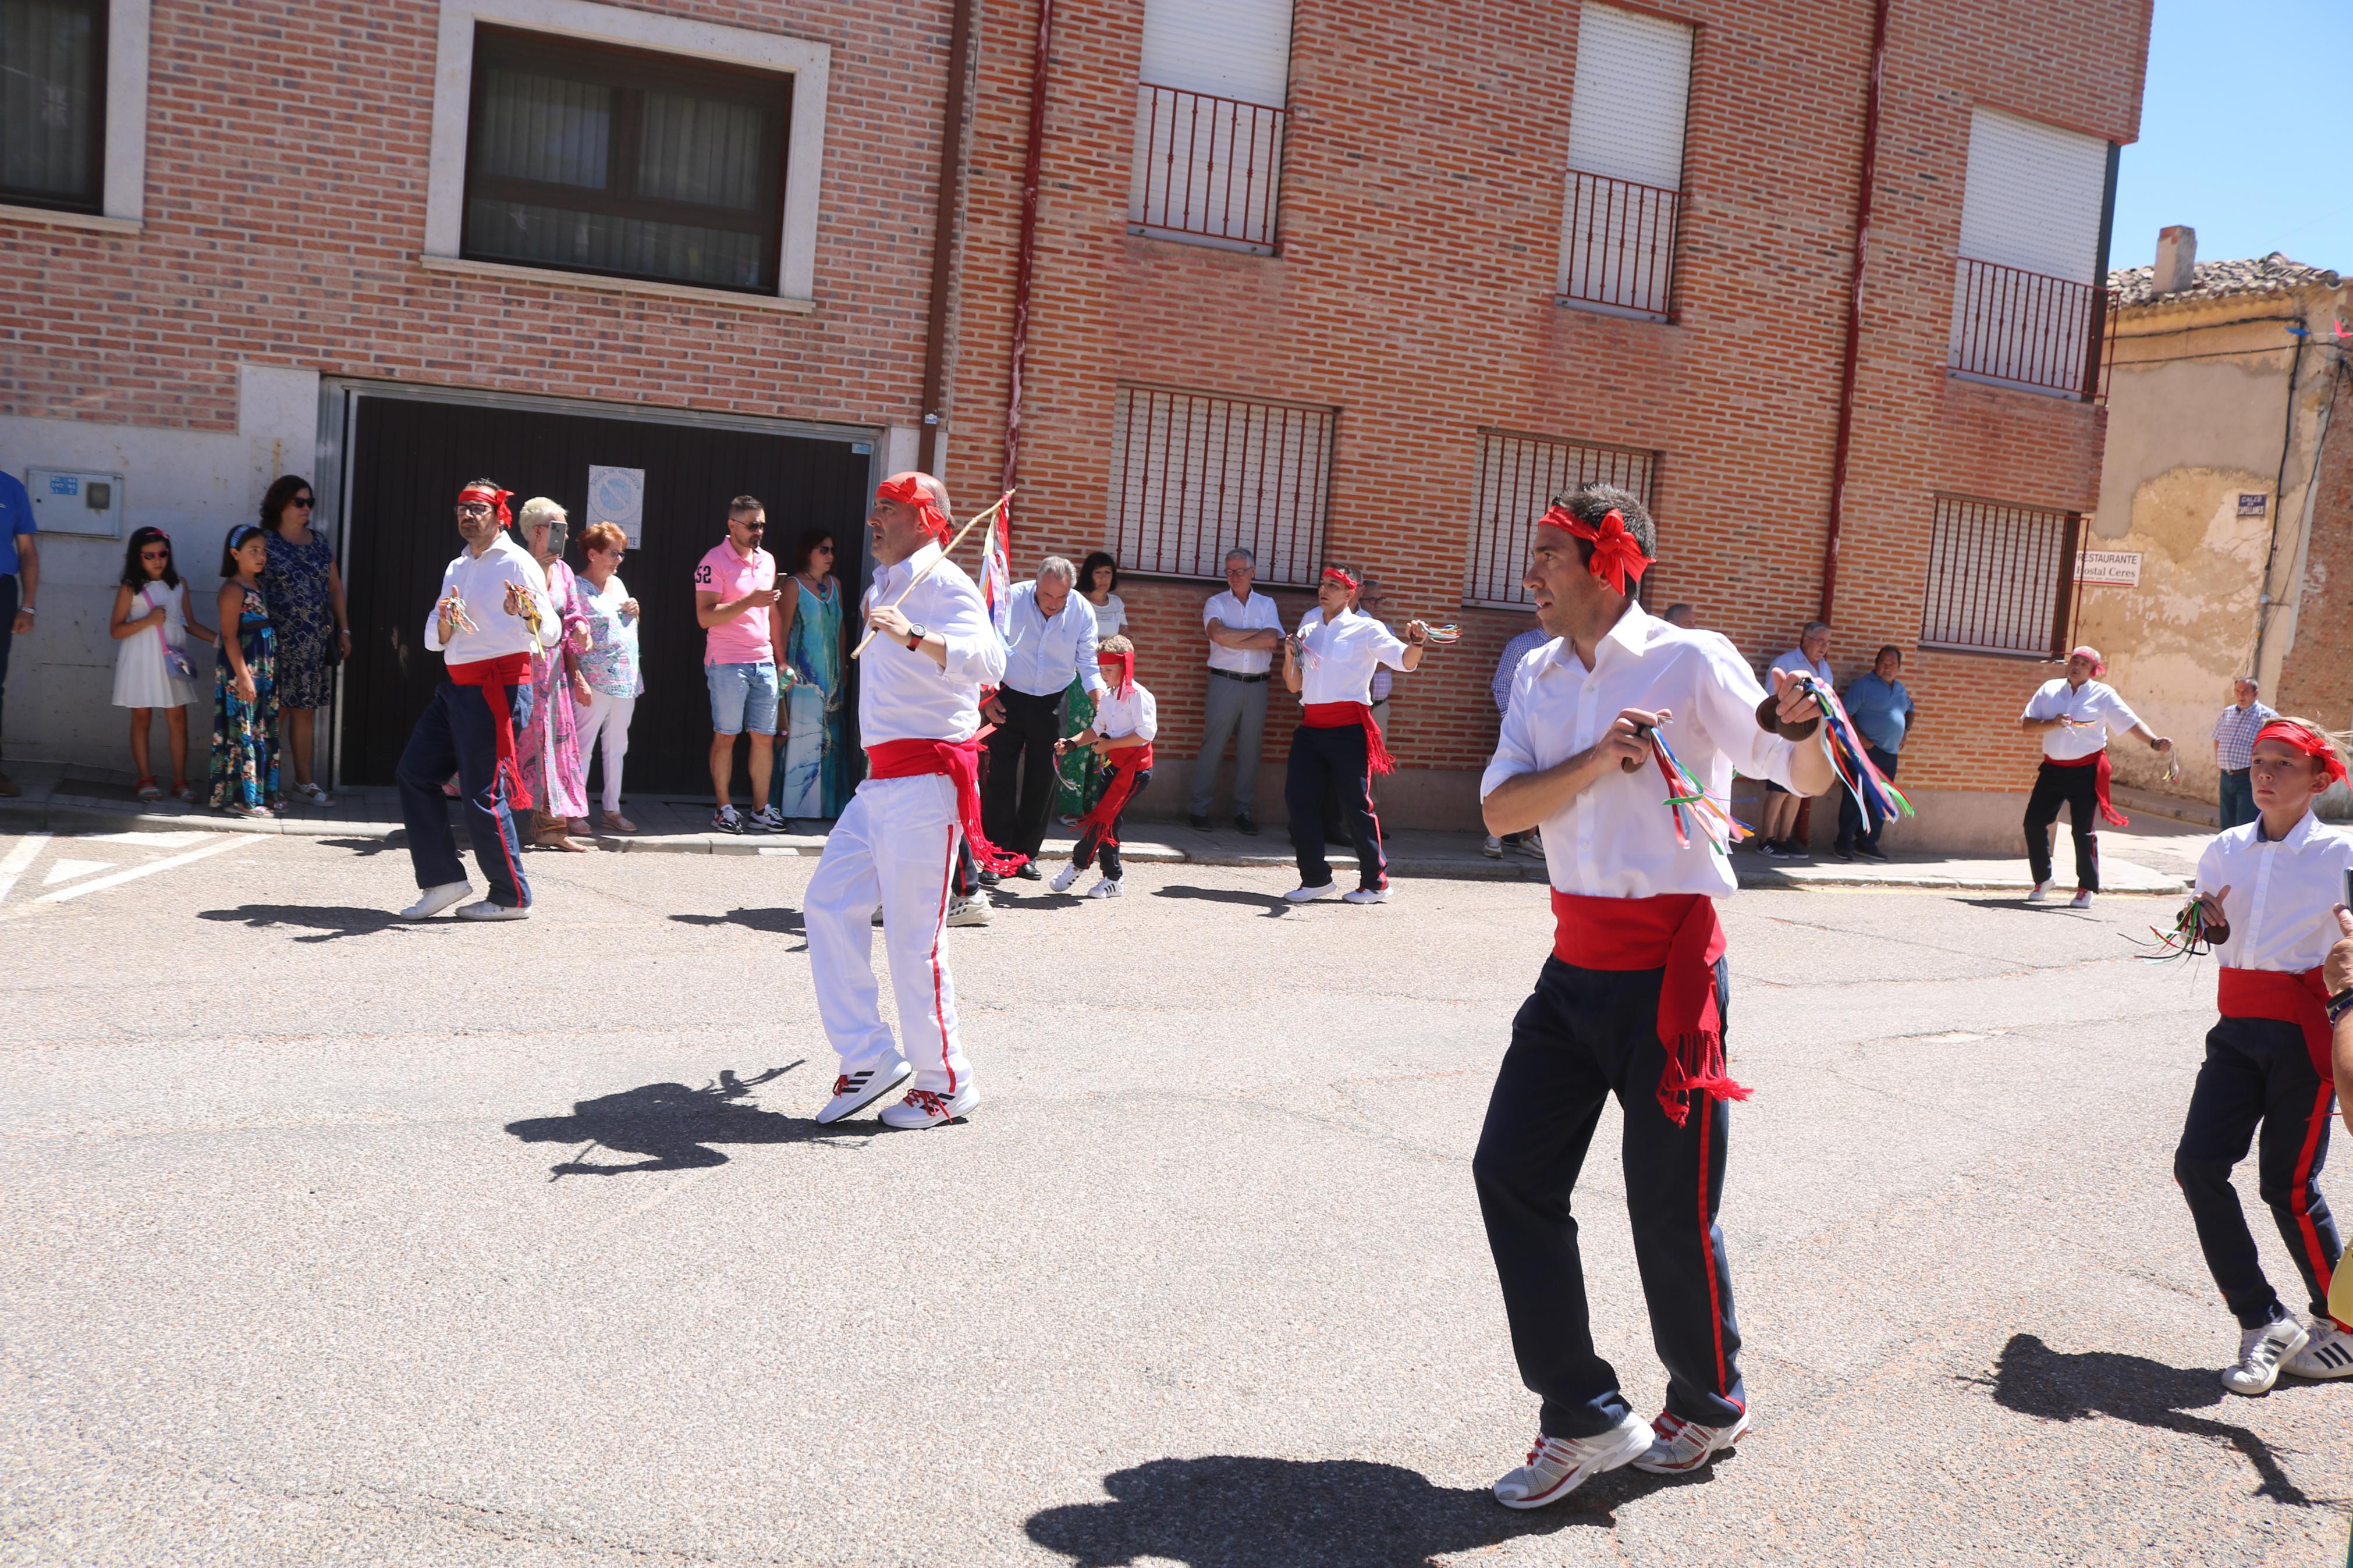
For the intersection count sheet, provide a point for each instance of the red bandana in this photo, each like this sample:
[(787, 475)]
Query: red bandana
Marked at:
[(496, 499), (1341, 577), (2308, 740), (1618, 558), (2099, 665), (910, 490), (1123, 662)]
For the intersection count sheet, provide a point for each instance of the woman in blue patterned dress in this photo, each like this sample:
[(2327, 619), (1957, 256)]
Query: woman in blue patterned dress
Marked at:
[(809, 784), (244, 775), (306, 607)]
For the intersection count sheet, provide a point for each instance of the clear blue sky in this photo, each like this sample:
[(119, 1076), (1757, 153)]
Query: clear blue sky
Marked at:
[(2236, 131)]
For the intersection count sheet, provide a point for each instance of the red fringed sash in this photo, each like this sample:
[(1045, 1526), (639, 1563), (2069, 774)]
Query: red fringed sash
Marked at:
[(494, 676), (1341, 716), (1128, 766), (2274, 993), (960, 761), (2113, 817), (1676, 932)]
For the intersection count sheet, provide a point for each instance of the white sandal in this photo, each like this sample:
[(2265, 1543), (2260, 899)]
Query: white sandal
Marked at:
[(313, 794)]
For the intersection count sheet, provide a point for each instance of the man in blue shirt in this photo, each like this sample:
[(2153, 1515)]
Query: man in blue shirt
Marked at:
[(1049, 640), (1881, 709), (2234, 740), (20, 580)]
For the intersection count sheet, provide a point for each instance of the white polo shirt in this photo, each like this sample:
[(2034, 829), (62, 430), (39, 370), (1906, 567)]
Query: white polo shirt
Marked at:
[(1259, 615), (2098, 709)]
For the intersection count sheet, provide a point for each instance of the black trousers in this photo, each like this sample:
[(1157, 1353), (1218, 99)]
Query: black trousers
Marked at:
[(2078, 789), (8, 588), (1019, 793), (1584, 1034), (1851, 830), (1092, 841), (457, 733), (2257, 1073), (1318, 759)]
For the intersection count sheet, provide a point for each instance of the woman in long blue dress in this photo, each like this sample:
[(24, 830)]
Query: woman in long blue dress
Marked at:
[(810, 782)]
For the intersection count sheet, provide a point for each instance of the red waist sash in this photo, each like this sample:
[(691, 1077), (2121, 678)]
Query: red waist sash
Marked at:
[(1677, 933), (960, 761), (1340, 716), (2274, 993), (1126, 767), (2099, 784), (494, 676)]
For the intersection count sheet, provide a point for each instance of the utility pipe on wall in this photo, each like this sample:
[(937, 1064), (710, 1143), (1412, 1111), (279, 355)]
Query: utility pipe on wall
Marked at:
[(1025, 255), (1869, 177), (943, 233)]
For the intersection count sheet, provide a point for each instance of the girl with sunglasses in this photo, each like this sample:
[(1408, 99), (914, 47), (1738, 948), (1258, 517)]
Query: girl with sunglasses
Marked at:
[(150, 624)]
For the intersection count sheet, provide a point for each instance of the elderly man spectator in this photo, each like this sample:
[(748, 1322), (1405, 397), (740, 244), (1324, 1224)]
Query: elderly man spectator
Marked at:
[(20, 576), (1682, 616), (1049, 637), (1882, 710), (1244, 629), (1776, 839), (2234, 740), (1518, 649)]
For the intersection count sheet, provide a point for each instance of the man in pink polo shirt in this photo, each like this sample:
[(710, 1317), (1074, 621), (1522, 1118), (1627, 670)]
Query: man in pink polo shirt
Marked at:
[(734, 600)]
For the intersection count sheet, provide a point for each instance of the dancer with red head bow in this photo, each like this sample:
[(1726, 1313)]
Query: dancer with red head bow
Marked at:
[(1620, 741), (2076, 715), (930, 651)]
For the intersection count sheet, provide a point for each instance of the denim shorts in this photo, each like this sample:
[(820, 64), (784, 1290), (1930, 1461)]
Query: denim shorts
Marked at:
[(741, 693)]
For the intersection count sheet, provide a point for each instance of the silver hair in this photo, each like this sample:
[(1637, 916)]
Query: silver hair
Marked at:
[(1242, 555), (2246, 680), (1058, 566), (1811, 628)]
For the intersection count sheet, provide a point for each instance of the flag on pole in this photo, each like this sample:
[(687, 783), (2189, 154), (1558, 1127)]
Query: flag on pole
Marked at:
[(997, 571)]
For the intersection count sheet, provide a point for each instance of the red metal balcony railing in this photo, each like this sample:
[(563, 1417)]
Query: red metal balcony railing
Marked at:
[(1206, 165), (2027, 329), (1617, 243)]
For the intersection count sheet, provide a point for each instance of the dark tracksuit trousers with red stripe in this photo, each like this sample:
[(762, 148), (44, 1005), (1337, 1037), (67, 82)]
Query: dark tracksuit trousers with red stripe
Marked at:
[(457, 733), (2258, 1073), (1583, 1035)]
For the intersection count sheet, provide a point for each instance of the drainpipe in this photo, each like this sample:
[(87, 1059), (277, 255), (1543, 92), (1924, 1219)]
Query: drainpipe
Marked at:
[(1854, 307), (1025, 257), (943, 233), (2264, 601)]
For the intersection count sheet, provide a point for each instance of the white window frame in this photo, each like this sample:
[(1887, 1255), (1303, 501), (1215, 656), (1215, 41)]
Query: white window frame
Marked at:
[(453, 90), (122, 189)]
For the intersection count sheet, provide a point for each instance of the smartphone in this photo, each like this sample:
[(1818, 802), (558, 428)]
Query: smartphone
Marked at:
[(2347, 900)]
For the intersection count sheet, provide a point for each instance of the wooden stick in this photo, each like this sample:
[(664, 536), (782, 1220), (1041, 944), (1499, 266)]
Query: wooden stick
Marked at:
[(970, 523)]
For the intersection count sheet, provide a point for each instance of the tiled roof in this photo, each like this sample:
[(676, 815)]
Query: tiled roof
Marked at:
[(2217, 279)]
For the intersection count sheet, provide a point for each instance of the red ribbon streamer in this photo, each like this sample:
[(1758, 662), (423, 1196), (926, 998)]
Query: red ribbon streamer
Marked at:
[(1126, 768), (1618, 558), (494, 676)]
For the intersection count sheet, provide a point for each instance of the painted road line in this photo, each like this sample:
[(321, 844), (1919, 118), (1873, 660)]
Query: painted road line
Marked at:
[(63, 870), (228, 842), (12, 865)]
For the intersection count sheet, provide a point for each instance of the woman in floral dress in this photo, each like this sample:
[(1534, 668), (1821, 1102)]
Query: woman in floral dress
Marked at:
[(547, 748), (243, 776), (306, 610), (809, 783)]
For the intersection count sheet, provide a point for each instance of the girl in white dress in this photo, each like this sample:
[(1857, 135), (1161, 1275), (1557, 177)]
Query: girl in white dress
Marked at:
[(151, 624)]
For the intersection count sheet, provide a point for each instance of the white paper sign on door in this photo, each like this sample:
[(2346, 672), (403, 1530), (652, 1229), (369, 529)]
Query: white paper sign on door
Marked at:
[(619, 496)]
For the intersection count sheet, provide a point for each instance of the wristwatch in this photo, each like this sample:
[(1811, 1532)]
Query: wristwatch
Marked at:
[(2338, 1005), (915, 636)]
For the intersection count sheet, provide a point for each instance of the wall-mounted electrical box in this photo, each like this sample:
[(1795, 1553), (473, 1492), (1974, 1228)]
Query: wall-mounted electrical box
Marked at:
[(68, 501)]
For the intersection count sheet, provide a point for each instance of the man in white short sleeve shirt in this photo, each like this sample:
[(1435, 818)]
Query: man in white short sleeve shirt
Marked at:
[(2074, 715), (1244, 629)]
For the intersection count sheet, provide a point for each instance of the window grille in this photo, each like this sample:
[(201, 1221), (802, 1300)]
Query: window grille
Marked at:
[(596, 159), (2029, 306), (2001, 578), (1518, 477), (1206, 165), (53, 103), (1193, 476)]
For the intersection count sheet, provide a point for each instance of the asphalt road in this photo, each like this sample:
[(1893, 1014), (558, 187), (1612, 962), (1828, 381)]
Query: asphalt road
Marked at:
[(328, 1239)]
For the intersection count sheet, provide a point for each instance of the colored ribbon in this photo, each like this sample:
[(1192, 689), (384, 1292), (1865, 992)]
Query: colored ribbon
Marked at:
[(1678, 934), (960, 761), (1850, 758), (496, 500), (494, 676), (1618, 558), (909, 490)]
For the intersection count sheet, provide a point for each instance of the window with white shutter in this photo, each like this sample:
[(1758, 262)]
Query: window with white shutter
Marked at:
[(1193, 476), (1518, 477), (1210, 119), (1624, 186), (2027, 291), (2001, 578)]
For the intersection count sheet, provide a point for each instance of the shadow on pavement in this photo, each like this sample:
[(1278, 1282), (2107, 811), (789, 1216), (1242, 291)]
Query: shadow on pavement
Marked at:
[(1230, 1511), (331, 921), (1272, 903), (672, 1126), (2056, 1385), (367, 846), (777, 922)]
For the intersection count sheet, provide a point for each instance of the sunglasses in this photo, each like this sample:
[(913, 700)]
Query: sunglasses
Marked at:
[(822, 550), (305, 502)]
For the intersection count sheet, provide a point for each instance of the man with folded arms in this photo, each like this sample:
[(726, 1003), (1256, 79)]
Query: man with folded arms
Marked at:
[(1243, 629)]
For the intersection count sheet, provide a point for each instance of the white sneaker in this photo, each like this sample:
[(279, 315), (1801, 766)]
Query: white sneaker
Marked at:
[(854, 1091), (922, 1108), (1309, 895), (1366, 896), (765, 820), (976, 911), (2082, 900), (1682, 1445), (433, 900), (1559, 1466), (1064, 878), (2041, 891), (2327, 1351), (1107, 887), (2261, 1351), (1493, 849), (1531, 843), (487, 910)]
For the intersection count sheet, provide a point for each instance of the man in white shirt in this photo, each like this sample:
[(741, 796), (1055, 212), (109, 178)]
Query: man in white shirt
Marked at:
[(1330, 663), (895, 842), (1126, 719), (490, 597), (1633, 999), (2074, 715), (2267, 893), (1049, 636), (1777, 835), (1244, 629)]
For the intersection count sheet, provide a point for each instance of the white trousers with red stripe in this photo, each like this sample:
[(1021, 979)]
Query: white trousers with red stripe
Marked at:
[(895, 845)]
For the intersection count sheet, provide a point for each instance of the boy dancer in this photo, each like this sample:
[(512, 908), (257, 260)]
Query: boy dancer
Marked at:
[(2267, 898), (1126, 719), (1632, 1000)]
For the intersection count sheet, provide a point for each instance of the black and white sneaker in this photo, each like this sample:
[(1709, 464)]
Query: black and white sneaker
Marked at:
[(724, 820), (765, 820), (2328, 1352), (922, 1108), (854, 1091)]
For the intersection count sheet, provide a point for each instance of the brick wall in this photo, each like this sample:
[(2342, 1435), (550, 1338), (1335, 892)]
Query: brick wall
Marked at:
[(2316, 679), (1420, 223)]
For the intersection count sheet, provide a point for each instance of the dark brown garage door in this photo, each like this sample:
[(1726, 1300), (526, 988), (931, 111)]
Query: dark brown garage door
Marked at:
[(411, 455)]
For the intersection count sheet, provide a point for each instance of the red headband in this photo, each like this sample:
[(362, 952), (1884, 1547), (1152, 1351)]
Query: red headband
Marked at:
[(1341, 577), (2308, 740), (2099, 665), (1618, 558), (1123, 662), (496, 499), (910, 491)]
